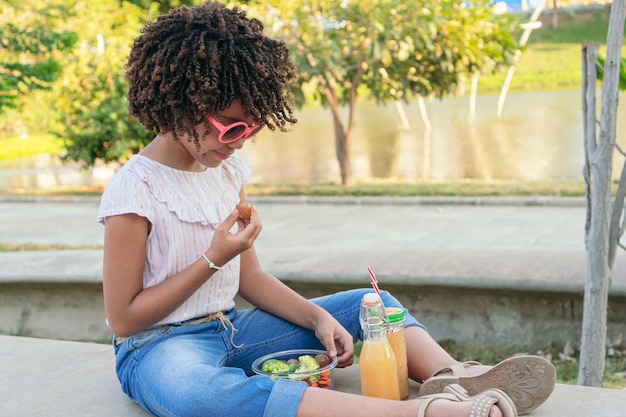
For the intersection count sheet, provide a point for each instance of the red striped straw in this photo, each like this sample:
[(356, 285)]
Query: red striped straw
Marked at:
[(374, 281)]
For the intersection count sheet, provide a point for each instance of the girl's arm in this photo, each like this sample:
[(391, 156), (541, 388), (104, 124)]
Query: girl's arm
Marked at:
[(130, 307), (268, 293)]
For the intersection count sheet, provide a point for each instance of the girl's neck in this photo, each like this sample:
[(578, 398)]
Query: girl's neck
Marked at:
[(165, 150)]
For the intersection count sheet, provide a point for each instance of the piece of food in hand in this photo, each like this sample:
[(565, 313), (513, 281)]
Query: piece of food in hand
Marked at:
[(322, 359), (245, 211)]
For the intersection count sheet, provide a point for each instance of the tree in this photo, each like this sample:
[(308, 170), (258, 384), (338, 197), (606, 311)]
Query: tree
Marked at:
[(389, 49), (163, 5), (29, 56), (91, 96), (605, 221)]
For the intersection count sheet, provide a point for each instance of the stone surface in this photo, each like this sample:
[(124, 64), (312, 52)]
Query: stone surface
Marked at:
[(52, 378)]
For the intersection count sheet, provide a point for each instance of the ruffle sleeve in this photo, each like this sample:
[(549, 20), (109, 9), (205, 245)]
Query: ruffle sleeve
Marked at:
[(206, 197)]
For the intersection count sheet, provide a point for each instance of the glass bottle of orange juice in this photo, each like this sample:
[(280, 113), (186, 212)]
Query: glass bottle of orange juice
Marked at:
[(397, 340), (377, 363)]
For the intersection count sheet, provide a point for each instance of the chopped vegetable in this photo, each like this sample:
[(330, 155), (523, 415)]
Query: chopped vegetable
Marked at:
[(275, 366), (306, 365)]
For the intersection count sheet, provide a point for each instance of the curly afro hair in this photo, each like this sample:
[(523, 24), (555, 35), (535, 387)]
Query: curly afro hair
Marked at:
[(195, 61)]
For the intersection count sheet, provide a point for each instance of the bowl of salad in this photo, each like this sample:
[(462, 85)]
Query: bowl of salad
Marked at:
[(309, 365)]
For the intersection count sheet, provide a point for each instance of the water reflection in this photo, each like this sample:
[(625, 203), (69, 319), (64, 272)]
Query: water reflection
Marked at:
[(539, 136), (45, 172)]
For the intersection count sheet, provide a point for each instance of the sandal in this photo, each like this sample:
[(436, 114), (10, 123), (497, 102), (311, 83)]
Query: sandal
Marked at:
[(527, 380), (482, 402)]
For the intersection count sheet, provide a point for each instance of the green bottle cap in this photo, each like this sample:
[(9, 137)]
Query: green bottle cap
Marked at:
[(395, 315)]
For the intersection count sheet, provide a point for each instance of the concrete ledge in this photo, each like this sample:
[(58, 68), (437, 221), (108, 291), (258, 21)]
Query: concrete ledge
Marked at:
[(527, 300), (544, 271), (502, 271), (72, 379)]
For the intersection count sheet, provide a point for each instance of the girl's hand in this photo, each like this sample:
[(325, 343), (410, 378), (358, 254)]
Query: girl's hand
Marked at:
[(226, 245), (337, 341)]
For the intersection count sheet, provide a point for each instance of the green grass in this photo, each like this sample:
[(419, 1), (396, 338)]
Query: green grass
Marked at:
[(13, 147), (460, 188), (593, 29), (551, 59)]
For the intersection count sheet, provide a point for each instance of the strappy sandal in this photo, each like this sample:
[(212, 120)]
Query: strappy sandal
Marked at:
[(482, 402), (527, 380)]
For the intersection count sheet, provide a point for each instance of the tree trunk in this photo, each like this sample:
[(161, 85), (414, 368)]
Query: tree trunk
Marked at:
[(342, 149), (342, 138), (598, 169), (555, 14)]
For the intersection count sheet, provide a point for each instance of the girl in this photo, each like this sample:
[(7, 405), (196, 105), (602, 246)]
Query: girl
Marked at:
[(206, 80)]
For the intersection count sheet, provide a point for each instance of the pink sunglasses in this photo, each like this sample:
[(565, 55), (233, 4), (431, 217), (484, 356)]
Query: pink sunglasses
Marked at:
[(235, 131)]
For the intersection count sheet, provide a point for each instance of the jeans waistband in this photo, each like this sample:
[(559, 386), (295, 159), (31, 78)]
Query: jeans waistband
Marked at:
[(220, 315)]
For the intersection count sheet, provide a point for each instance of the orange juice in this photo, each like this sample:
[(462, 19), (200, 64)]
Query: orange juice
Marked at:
[(395, 336), (398, 345), (378, 370)]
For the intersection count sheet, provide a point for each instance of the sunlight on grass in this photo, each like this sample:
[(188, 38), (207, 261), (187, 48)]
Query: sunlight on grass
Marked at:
[(14, 147), (452, 188), (460, 188)]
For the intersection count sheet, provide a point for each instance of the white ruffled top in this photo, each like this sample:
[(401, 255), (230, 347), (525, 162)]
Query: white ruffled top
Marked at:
[(184, 209)]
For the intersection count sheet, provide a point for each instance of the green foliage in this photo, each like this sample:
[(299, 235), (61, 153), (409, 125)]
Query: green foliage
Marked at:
[(394, 48), (391, 49), (91, 98), (163, 5), (622, 71), (29, 56)]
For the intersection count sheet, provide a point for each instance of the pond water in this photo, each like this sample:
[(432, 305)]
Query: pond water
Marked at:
[(538, 136)]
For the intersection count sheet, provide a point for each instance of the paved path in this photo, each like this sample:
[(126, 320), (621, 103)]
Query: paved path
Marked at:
[(509, 243)]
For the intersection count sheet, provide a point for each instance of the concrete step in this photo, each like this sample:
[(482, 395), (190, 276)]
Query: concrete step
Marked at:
[(503, 271), (58, 295), (73, 379)]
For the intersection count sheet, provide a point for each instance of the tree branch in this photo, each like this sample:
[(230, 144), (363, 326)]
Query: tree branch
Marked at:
[(589, 60), (616, 229)]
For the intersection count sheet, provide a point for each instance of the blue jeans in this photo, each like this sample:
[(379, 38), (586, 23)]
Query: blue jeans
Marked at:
[(195, 370)]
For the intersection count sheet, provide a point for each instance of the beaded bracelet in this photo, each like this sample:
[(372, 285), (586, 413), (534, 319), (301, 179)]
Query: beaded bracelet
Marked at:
[(210, 262)]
